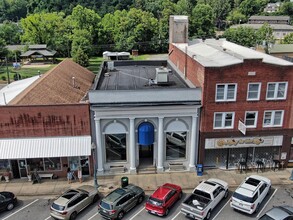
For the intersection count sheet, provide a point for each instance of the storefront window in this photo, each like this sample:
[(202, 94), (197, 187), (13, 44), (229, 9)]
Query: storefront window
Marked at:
[(115, 147), (176, 145), (52, 163), (73, 163), (4, 165)]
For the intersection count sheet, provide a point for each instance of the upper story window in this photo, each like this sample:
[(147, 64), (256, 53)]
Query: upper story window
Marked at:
[(223, 120), (251, 119), (277, 90), (273, 118), (226, 92), (253, 91)]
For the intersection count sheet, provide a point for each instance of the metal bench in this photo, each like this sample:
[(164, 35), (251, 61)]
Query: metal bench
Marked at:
[(46, 175)]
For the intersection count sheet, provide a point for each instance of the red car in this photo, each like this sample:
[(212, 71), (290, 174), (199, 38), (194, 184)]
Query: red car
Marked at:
[(160, 202)]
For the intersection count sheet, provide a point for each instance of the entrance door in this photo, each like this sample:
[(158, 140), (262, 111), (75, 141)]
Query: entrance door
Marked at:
[(146, 155), (14, 168), (84, 163), (22, 168)]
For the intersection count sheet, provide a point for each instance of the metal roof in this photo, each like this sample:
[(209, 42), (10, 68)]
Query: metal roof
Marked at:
[(282, 48), (46, 53), (220, 53), (266, 18), (45, 147), (275, 27), (11, 90)]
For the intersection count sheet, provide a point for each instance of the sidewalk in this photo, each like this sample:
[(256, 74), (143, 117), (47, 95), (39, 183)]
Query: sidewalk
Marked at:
[(149, 182)]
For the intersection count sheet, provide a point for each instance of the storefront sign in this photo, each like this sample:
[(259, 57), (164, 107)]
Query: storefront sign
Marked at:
[(283, 156), (244, 142)]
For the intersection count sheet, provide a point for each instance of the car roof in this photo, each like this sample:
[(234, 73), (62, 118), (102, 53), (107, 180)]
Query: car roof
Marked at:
[(249, 185), (161, 192), (280, 212), (116, 194), (66, 197)]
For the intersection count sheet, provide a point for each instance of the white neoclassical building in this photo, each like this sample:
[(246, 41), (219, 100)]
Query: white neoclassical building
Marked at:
[(145, 118)]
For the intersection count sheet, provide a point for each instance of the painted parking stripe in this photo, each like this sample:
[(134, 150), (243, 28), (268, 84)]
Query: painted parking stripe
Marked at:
[(267, 203), (221, 209), (48, 218), (93, 216), (176, 215), (136, 214), (20, 209)]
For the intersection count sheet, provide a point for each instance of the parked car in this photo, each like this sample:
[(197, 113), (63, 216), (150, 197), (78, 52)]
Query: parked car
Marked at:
[(250, 194), (120, 201), (73, 201), (7, 201), (160, 202), (204, 198), (278, 213), (176, 138)]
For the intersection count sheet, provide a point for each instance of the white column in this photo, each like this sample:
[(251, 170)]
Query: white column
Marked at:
[(132, 146), (99, 154), (193, 143), (160, 167)]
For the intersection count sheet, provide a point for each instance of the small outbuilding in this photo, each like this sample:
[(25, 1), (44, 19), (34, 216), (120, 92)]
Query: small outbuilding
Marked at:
[(38, 54)]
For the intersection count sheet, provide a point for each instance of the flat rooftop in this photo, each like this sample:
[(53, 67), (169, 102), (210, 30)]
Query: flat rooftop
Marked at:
[(137, 77)]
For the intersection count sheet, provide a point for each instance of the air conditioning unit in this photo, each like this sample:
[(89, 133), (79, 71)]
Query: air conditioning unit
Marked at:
[(162, 75), (111, 65)]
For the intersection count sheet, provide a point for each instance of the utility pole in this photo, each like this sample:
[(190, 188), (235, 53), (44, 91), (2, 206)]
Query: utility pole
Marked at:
[(7, 71)]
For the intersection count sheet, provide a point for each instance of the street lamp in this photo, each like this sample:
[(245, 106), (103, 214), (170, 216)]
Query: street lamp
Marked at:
[(96, 185)]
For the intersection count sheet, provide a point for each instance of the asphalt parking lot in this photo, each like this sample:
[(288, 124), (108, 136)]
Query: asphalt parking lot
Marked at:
[(38, 208)]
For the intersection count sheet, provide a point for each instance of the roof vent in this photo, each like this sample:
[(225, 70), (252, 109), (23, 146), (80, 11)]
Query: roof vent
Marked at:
[(162, 75)]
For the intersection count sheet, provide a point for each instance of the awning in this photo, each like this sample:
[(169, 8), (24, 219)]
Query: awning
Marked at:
[(45, 147)]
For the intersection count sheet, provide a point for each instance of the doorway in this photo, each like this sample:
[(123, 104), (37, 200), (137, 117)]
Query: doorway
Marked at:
[(146, 155), (22, 168)]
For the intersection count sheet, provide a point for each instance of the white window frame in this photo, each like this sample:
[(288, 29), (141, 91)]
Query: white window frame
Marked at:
[(223, 120), (258, 92), (277, 84), (225, 99), (272, 119), (255, 119)]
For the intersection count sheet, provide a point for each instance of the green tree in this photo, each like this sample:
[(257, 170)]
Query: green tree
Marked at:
[(202, 21), (288, 39), (244, 36), (252, 7), (265, 36), (286, 8), (10, 32), (12, 10), (81, 40), (81, 57), (3, 49), (184, 7), (42, 28), (236, 17)]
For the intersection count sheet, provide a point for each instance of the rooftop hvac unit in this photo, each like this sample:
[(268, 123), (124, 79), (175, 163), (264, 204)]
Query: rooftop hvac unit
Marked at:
[(162, 75), (111, 65)]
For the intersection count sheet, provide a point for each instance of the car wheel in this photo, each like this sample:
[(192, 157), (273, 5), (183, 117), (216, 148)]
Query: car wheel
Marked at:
[(226, 194), (120, 215), (167, 212), (140, 199), (73, 216), (95, 199), (208, 215), (257, 208), (10, 206)]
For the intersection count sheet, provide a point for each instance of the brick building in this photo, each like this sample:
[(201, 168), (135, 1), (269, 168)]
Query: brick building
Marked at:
[(247, 98), (47, 126)]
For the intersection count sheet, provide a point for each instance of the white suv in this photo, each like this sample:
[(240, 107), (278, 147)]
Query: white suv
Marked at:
[(251, 192)]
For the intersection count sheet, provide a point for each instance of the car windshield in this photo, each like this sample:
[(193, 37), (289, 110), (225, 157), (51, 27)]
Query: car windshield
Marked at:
[(58, 207), (242, 197), (155, 202), (105, 205), (266, 217)]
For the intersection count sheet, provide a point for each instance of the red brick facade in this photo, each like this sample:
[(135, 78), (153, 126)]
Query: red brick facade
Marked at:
[(44, 121), (208, 77)]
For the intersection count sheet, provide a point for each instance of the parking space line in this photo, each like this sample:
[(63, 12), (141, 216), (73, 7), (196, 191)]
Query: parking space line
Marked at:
[(221, 209), (136, 214), (93, 216), (20, 209), (176, 216), (48, 218), (267, 203)]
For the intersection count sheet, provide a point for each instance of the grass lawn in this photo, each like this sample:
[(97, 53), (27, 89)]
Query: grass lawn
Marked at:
[(33, 70)]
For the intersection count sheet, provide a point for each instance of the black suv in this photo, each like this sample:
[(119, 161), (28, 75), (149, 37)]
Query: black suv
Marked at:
[(120, 201)]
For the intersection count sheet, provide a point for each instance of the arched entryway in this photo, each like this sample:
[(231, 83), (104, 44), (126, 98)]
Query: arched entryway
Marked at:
[(145, 143)]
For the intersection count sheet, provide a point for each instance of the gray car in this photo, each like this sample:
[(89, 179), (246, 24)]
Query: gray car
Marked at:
[(278, 213), (73, 201), (120, 201)]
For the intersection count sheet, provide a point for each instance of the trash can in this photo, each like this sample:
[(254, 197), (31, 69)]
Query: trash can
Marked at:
[(199, 169), (124, 181)]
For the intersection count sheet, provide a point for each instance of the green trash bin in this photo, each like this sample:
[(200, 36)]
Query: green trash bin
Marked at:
[(124, 181)]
